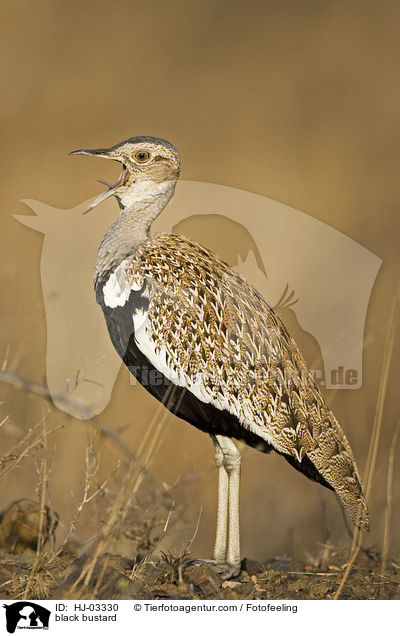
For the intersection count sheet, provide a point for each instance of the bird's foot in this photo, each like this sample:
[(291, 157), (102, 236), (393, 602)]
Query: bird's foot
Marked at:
[(225, 570)]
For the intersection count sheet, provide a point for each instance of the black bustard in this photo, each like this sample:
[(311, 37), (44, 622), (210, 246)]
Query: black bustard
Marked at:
[(177, 313)]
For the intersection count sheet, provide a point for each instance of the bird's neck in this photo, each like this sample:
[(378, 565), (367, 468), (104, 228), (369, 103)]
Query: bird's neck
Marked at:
[(139, 206), (142, 204)]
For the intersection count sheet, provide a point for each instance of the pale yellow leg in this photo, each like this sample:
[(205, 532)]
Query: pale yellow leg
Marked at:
[(221, 536), (227, 544)]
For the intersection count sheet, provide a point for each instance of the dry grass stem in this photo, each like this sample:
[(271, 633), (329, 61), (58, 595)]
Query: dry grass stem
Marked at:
[(24, 447), (63, 398), (92, 467), (377, 426), (389, 497), (375, 435)]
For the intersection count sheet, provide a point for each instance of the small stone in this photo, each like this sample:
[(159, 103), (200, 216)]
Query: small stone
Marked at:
[(170, 591), (252, 567), (230, 584), (282, 565)]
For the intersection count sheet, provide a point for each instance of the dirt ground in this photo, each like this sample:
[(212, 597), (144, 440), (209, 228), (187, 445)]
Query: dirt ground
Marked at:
[(116, 577), (70, 573)]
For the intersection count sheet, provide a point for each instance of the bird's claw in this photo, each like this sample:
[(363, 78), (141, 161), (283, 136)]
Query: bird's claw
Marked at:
[(225, 570)]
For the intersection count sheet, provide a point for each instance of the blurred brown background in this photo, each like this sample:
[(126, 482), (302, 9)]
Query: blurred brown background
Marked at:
[(298, 101)]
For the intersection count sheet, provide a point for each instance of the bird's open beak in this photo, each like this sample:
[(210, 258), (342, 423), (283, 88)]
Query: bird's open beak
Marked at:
[(103, 152)]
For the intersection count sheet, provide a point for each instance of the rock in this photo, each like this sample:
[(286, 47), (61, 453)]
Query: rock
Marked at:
[(120, 586), (205, 580), (106, 580), (20, 526), (154, 573)]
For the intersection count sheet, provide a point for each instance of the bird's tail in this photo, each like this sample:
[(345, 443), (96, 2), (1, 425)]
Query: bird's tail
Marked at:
[(356, 509), (334, 459)]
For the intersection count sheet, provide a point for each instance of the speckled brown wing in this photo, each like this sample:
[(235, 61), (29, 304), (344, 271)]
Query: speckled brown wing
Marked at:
[(207, 329)]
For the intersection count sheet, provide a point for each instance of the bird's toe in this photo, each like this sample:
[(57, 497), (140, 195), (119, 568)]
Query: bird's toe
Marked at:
[(225, 570)]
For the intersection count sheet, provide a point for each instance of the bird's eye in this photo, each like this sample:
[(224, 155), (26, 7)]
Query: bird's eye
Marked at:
[(142, 156)]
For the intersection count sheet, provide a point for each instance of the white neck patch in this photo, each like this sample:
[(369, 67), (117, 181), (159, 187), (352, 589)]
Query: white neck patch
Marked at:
[(117, 289), (143, 193)]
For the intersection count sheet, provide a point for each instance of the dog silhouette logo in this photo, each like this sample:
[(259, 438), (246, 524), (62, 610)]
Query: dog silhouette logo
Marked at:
[(26, 615)]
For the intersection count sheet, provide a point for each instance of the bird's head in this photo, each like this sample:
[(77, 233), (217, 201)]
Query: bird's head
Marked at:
[(147, 164)]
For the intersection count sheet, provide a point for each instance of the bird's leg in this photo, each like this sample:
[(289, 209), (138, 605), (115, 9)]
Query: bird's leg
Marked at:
[(222, 506), (227, 545), (231, 460)]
